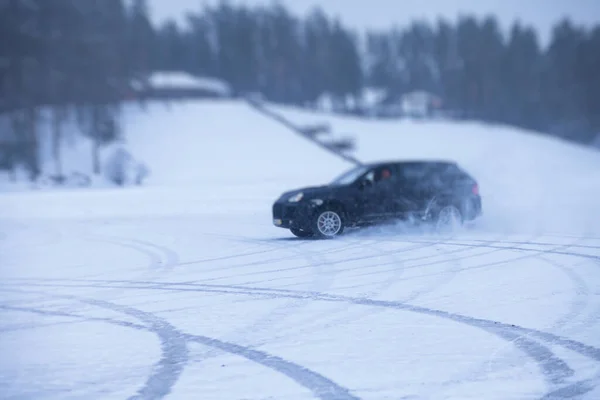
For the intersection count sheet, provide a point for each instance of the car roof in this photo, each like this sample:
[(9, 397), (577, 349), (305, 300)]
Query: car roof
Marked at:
[(411, 162)]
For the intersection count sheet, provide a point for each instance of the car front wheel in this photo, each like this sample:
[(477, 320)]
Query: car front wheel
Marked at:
[(329, 223)]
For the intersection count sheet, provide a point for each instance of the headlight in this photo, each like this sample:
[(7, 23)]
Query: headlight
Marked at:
[(296, 198)]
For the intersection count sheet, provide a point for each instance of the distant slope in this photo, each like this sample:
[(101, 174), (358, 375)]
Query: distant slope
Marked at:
[(196, 143), (529, 181), (203, 156)]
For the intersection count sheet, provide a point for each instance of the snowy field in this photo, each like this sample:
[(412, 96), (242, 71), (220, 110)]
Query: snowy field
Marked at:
[(183, 288)]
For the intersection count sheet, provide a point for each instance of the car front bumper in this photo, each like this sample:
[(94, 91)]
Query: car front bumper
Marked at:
[(292, 215)]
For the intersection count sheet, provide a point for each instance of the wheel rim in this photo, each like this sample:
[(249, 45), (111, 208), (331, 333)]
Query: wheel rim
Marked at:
[(449, 219), (329, 223)]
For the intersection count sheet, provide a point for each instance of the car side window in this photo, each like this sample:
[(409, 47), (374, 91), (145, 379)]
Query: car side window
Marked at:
[(383, 175), (379, 176), (370, 176)]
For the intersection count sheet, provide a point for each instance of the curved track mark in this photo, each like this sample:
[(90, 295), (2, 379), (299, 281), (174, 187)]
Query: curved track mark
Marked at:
[(174, 350), (159, 256), (62, 314), (576, 389), (582, 292), (554, 369), (541, 251), (168, 370), (531, 243), (320, 386)]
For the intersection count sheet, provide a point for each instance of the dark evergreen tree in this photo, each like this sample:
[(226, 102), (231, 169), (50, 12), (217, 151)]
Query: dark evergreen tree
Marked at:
[(315, 73), (172, 54), (565, 90), (345, 63), (140, 41), (200, 47), (589, 76), (416, 50), (384, 67), (521, 77), (449, 64)]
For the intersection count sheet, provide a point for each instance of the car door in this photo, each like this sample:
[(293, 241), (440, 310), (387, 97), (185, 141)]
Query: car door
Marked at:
[(378, 194), (410, 193)]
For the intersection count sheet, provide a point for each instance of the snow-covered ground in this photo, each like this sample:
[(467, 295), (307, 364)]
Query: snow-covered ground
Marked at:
[(183, 288)]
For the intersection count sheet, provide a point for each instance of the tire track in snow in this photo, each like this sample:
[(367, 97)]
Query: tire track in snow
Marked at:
[(554, 369), (574, 311), (451, 274), (579, 283), (51, 313), (309, 265), (463, 249), (533, 254), (159, 257), (282, 311), (176, 354), (174, 351), (575, 346), (313, 323), (234, 270), (582, 294), (533, 243), (444, 260), (311, 256), (316, 319), (553, 250), (306, 253)]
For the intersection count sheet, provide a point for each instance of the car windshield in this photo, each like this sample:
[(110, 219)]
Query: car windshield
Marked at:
[(349, 176)]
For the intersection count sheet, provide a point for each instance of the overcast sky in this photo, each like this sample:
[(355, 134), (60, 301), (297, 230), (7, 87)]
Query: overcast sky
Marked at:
[(361, 14)]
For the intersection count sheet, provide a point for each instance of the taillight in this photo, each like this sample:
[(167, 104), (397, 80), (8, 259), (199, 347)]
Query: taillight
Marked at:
[(475, 189)]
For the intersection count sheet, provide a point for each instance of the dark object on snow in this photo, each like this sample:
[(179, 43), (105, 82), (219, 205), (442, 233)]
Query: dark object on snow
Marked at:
[(123, 169), (141, 172), (315, 130), (343, 144), (74, 179), (438, 192)]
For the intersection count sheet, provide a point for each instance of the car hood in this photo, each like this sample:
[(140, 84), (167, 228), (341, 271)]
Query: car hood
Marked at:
[(310, 192)]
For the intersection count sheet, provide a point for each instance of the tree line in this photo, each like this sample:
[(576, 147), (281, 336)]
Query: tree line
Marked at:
[(69, 57), (478, 71), (78, 58)]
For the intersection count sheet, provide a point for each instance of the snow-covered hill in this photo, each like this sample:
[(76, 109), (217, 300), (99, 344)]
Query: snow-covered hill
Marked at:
[(182, 288), (220, 154)]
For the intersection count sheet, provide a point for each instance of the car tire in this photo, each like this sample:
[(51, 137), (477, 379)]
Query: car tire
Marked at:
[(301, 233), (448, 219), (328, 223)]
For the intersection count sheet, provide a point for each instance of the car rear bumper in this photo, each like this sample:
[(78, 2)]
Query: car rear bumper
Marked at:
[(475, 209)]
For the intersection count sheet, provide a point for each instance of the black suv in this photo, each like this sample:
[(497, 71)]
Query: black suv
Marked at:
[(418, 191)]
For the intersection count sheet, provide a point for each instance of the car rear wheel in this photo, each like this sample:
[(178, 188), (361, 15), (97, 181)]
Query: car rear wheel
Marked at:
[(301, 233), (449, 219), (329, 224)]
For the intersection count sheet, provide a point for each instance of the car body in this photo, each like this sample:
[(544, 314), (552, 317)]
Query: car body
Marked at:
[(419, 190)]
